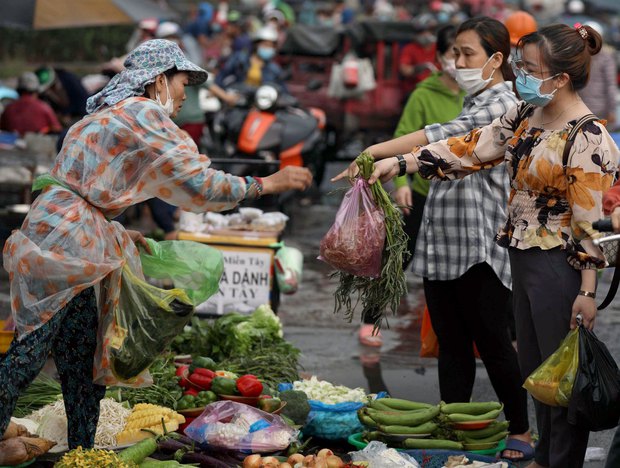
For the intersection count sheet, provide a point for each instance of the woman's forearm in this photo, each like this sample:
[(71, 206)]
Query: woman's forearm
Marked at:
[(588, 280), (400, 145)]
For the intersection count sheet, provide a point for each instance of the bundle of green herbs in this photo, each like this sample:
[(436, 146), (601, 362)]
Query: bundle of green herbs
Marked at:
[(377, 295)]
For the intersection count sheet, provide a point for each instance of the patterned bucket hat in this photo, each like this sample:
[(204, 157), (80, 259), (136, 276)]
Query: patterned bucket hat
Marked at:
[(142, 66)]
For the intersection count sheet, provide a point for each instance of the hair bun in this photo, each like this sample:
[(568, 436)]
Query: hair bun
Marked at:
[(594, 41)]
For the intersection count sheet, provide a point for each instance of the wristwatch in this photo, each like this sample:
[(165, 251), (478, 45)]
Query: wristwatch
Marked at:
[(402, 164), (587, 294)]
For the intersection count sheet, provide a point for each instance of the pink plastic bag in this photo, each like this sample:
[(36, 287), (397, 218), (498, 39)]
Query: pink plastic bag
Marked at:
[(354, 243), (236, 426)]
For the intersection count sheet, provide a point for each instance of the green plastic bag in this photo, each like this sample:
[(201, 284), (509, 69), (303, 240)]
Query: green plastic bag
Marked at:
[(194, 267), (552, 383), (145, 323)]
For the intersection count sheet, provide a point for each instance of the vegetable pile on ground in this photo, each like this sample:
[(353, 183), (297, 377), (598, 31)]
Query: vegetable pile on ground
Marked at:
[(243, 344), (454, 426), (325, 458), (52, 420), (384, 293)]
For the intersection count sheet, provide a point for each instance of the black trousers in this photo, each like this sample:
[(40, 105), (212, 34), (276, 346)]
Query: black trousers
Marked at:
[(413, 221), (472, 308), (544, 287)]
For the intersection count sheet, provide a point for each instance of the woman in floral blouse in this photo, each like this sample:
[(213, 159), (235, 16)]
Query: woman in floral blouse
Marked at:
[(550, 209), (127, 150)]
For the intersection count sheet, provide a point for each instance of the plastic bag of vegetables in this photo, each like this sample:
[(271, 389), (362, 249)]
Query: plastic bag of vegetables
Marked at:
[(354, 244), (552, 383), (333, 408), (236, 426), (143, 325)]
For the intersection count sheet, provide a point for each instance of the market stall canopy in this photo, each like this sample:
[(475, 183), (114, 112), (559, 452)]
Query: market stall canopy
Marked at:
[(57, 14)]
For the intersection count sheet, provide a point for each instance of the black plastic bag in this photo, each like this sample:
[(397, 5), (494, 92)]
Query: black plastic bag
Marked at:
[(595, 401)]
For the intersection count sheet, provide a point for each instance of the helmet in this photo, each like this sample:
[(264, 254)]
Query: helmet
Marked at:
[(519, 24), (46, 76), (28, 82), (167, 29), (266, 33), (149, 24)]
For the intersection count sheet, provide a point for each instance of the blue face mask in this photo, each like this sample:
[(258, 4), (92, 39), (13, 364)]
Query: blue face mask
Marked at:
[(266, 53), (528, 87)]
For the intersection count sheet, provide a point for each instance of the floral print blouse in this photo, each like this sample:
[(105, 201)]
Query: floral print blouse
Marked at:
[(549, 205), (114, 158)]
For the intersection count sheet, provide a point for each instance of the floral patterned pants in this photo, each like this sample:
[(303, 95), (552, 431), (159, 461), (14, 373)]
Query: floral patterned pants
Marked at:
[(71, 337)]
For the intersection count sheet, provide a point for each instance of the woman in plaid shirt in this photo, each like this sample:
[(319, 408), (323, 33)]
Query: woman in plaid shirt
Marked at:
[(455, 252)]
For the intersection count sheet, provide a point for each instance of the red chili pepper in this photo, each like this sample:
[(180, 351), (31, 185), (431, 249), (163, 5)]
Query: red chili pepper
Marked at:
[(206, 372), (201, 381), (249, 387), (182, 372), (191, 391)]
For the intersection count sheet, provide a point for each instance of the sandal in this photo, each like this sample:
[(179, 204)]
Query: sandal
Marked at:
[(367, 338), (518, 446)]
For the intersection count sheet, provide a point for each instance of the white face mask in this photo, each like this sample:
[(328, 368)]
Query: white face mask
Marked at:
[(470, 79), (448, 66), (169, 106)]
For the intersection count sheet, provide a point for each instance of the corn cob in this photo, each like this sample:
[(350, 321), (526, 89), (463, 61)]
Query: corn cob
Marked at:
[(147, 419)]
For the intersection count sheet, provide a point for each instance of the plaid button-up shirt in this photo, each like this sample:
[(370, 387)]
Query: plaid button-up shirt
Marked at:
[(461, 217)]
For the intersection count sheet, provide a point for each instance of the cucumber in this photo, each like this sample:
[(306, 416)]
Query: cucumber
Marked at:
[(486, 432), (365, 419), (404, 418), (379, 405), (462, 417), (432, 444), (494, 438), (470, 408), (426, 428), (403, 405)]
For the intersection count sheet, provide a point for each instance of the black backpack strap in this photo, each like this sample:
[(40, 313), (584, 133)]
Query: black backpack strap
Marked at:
[(573, 133), (613, 287), (522, 114)]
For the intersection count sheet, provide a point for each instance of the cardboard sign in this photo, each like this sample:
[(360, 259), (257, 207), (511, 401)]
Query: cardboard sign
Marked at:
[(246, 281)]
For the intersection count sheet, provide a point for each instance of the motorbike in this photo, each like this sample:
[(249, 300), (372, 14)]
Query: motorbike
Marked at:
[(267, 125)]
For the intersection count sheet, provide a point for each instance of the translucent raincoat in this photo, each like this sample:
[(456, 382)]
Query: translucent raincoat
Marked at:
[(110, 160)]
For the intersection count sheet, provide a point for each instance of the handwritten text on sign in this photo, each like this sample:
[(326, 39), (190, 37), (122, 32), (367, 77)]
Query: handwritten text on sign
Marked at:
[(246, 279)]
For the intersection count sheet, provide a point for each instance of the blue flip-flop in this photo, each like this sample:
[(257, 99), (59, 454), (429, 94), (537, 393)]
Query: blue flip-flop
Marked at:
[(518, 446)]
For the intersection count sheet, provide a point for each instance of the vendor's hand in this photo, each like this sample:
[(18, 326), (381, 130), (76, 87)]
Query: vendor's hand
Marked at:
[(404, 199), (385, 170), (138, 238), (289, 178), (586, 307), (615, 219)]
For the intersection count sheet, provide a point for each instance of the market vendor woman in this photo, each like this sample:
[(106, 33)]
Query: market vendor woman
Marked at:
[(125, 151)]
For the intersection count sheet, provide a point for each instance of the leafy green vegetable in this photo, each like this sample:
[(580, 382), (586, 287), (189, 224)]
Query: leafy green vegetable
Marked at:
[(165, 390), (231, 335), (377, 295), (42, 391)]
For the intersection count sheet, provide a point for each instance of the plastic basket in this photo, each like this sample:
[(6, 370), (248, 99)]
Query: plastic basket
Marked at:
[(6, 337)]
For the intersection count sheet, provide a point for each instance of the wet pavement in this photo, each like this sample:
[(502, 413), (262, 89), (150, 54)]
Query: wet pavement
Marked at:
[(329, 343)]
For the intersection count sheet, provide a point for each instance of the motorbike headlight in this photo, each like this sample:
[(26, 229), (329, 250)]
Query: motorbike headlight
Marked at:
[(266, 97)]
